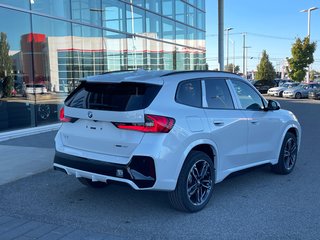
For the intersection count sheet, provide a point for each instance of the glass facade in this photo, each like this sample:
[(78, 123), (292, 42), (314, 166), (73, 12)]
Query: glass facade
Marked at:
[(50, 45)]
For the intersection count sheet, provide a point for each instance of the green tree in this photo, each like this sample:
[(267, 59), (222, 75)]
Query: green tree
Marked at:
[(302, 57), (231, 68), (5, 66), (265, 69)]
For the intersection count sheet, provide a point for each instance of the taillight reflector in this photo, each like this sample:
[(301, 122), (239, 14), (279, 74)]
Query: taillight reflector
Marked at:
[(63, 118), (152, 124)]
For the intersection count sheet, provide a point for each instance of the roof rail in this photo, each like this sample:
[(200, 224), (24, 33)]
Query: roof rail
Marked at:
[(194, 71)]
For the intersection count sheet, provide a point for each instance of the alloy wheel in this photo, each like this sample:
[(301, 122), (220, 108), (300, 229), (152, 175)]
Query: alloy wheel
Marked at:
[(199, 183), (290, 153)]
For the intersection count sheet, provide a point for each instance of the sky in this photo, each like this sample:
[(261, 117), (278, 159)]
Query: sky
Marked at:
[(271, 25)]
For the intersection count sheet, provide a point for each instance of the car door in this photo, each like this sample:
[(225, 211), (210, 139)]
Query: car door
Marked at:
[(264, 127), (227, 124)]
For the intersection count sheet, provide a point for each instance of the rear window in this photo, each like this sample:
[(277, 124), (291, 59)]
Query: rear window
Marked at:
[(112, 96)]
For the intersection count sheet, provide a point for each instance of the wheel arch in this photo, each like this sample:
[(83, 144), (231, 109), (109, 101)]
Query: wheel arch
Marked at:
[(204, 145)]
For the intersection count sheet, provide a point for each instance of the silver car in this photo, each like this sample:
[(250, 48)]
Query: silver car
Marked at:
[(300, 91), (278, 91)]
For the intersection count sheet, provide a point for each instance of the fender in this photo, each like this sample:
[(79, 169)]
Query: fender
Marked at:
[(298, 131), (191, 146)]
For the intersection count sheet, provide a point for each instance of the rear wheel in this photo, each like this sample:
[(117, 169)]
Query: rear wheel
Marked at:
[(298, 95), (89, 183), (195, 183), (288, 155)]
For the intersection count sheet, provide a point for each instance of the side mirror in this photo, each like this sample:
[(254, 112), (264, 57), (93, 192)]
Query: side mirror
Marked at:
[(273, 105)]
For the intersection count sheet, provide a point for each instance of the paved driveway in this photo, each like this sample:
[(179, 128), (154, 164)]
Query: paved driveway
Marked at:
[(254, 204)]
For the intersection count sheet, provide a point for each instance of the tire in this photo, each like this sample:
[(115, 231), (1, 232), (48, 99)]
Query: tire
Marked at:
[(87, 182), (298, 95), (199, 182), (288, 155), (281, 94)]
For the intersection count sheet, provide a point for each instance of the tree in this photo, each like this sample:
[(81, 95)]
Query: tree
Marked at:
[(302, 57), (265, 69), (231, 68), (5, 66)]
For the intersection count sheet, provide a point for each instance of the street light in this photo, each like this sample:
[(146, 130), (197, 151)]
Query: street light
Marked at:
[(233, 46), (309, 17), (227, 30)]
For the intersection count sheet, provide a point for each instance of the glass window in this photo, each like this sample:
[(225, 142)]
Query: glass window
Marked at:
[(191, 16), (218, 95), (189, 93), (51, 36), (153, 25), (201, 4), (154, 5), (116, 57), (114, 14), (20, 3), (168, 29), (59, 8), (135, 20), (168, 8), (113, 96), (249, 98), (16, 71), (87, 11), (180, 11), (201, 20), (181, 33)]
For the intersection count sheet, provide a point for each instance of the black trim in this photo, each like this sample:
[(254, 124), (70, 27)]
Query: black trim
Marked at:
[(140, 169)]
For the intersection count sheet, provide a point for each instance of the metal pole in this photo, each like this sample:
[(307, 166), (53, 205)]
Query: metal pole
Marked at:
[(227, 47), (220, 34), (309, 16), (243, 54), (234, 58)]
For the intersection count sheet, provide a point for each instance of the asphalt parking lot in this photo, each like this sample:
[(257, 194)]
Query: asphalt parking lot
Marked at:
[(254, 204)]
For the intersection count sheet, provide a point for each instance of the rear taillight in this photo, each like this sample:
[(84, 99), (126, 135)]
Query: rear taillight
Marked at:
[(63, 118), (152, 124)]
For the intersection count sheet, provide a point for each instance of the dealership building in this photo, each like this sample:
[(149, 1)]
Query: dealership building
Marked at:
[(47, 46)]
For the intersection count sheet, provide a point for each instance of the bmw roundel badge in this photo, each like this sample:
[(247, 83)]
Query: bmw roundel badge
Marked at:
[(90, 114)]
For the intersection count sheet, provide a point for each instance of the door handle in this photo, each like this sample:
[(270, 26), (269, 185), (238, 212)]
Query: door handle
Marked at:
[(218, 123)]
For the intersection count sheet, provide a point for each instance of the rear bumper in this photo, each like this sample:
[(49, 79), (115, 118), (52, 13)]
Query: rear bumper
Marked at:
[(139, 173)]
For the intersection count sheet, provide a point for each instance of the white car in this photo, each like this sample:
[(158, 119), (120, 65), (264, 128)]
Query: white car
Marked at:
[(180, 132), (278, 91)]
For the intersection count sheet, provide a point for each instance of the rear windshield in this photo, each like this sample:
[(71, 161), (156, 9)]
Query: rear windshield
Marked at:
[(112, 96)]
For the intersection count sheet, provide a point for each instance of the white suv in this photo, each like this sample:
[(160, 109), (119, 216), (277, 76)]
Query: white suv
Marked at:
[(181, 132)]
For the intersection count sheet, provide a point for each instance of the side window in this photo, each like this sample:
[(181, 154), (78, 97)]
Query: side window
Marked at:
[(248, 97), (189, 93), (218, 95)]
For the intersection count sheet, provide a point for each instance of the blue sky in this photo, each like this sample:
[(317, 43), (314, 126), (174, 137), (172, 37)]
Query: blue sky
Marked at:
[(271, 25)]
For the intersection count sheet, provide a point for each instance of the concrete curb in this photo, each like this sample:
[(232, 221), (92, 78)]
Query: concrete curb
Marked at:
[(28, 131)]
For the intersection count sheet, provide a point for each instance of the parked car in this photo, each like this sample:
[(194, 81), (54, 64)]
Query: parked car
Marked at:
[(300, 91), (180, 132), (264, 85), (278, 91), (280, 82), (315, 94)]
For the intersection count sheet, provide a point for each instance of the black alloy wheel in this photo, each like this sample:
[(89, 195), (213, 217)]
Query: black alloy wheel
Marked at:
[(288, 155), (195, 184)]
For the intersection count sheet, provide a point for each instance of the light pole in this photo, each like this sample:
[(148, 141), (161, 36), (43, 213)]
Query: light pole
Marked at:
[(227, 30), (309, 19), (246, 49), (220, 34), (233, 56)]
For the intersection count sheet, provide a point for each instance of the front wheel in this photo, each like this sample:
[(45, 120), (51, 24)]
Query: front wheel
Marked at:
[(195, 183), (288, 155), (298, 95)]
